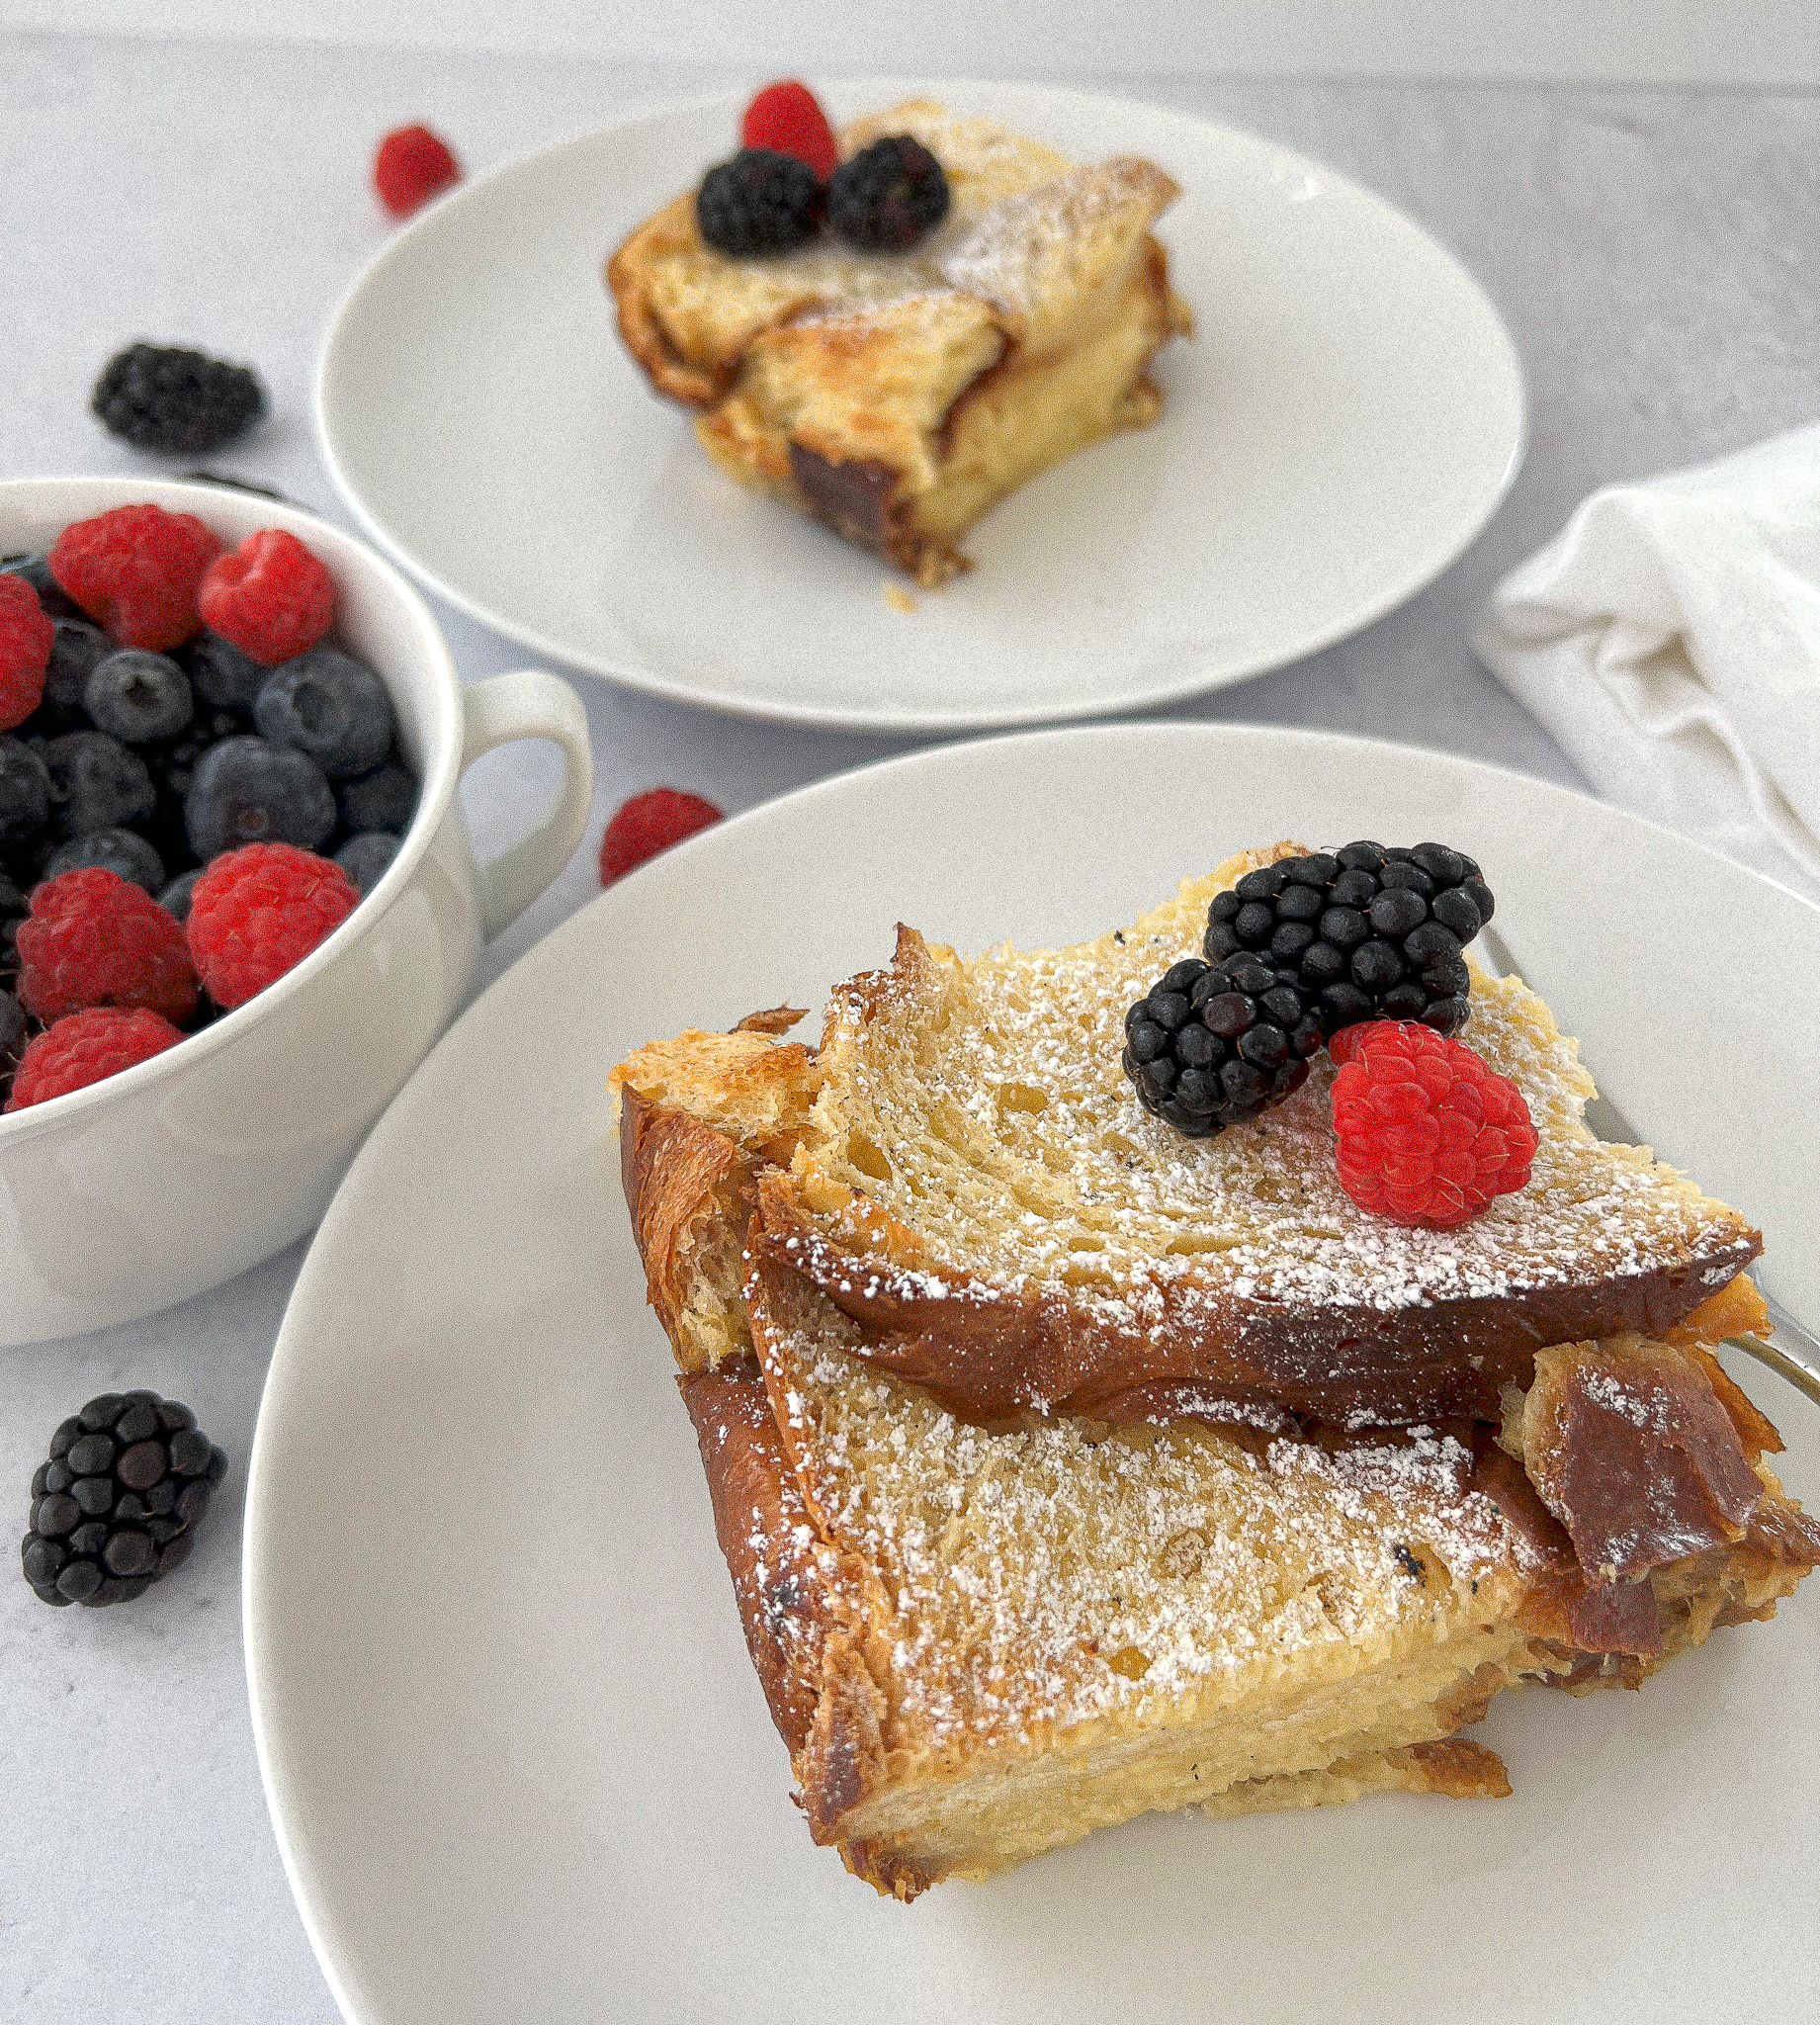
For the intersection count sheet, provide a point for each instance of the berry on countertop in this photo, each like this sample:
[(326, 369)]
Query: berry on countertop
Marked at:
[(411, 166), (95, 783), (331, 706), (884, 199), (648, 823), (135, 571), (115, 1507), (136, 696), (256, 912), (123, 852), (1211, 1045), (366, 856), (94, 938), (249, 790), (786, 119), (759, 202), (1428, 1132), (1364, 933), (86, 1048), (25, 794), (25, 638), (271, 597), (164, 397)]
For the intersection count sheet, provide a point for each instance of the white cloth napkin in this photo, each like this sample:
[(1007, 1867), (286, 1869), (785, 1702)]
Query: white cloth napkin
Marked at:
[(1669, 636)]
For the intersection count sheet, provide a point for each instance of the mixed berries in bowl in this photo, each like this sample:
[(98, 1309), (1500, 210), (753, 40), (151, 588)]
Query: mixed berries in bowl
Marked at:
[(238, 903), (197, 785)]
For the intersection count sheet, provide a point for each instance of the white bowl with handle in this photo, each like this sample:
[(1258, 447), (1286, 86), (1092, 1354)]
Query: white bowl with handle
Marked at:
[(174, 1174)]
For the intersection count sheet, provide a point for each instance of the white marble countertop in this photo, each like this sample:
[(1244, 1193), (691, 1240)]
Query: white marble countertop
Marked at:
[(1653, 251)]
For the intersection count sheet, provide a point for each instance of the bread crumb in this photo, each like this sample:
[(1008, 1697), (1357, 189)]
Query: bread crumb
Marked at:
[(898, 598)]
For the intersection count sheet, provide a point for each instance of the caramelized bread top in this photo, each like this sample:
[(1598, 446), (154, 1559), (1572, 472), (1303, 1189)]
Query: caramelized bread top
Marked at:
[(1030, 246)]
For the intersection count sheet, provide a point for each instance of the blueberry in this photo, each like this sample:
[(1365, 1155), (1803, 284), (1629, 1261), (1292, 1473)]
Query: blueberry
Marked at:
[(12, 1032), (251, 791), (36, 570), (77, 649), (122, 851), (136, 696), (25, 794), (175, 899), (224, 677), (329, 706), (95, 783), (385, 799), (364, 858)]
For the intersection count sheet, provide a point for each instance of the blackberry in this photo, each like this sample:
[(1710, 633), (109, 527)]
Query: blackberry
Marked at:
[(114, 1508), (95, 783), (139, 698), (1364, 933), (328, 704), (25, 794), (365, 858), (251, 791), (760, 202), (123, 852), (1210, 1045), (888, 196), (160, 396)]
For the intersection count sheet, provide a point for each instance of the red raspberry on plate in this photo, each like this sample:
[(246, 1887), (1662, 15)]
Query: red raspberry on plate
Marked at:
[(647, 823), (257, 911), (412, 165), (26, 637), (787, 116), (271, 597), (82, 1049), (1428, 1131), (135, 571), (94, 938)]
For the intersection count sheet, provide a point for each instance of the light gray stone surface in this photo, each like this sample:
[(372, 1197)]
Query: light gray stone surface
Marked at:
[(1655, 254)]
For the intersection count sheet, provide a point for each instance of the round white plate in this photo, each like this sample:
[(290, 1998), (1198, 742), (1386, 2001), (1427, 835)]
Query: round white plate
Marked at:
[(518, 1761), (1344, 423)]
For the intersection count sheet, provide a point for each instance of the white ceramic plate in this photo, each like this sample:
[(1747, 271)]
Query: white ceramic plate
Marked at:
[(1344, 422), (517, 1758)]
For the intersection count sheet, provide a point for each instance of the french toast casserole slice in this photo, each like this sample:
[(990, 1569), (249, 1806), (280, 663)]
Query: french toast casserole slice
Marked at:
[(1067, 1468), (899, 397)]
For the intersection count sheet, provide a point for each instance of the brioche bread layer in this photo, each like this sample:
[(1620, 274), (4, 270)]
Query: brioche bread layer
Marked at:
[(963, 1168), (980, 1645), (899, 397)]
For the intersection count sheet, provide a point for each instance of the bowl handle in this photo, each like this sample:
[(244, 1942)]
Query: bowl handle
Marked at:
[(529, 704)]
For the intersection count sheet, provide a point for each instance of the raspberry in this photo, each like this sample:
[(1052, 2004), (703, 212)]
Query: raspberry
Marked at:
[(1428, 1132), (884, 199), (257, 911), (93, 938), (84, 1048), (163, 397), (411, 166), (26, 637), (135, 571), (760, 202), (271, 597), (647, 823), (785, 117)]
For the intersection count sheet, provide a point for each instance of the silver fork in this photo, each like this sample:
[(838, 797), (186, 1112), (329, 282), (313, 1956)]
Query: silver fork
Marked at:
[(1793, 1354)]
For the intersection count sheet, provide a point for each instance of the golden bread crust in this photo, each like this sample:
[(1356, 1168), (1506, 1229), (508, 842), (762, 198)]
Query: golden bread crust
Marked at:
[(897, 399)]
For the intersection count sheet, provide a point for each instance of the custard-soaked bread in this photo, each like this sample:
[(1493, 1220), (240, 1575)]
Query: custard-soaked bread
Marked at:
[(898, 397), (982, 1643), (963, 1168)]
